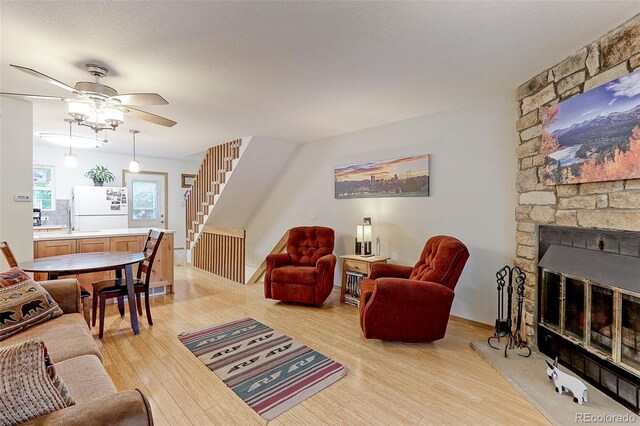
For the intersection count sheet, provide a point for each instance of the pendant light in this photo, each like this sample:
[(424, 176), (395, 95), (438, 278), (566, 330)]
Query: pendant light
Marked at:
[(70, 159), (134, 166)]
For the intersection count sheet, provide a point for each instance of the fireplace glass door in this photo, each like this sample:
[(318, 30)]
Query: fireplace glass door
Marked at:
[(551, 299), (630, 350), (602, 324), (574, 307), (604, 319)]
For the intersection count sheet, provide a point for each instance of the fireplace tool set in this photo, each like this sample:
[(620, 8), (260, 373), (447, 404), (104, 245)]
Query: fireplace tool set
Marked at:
[(504, 323)]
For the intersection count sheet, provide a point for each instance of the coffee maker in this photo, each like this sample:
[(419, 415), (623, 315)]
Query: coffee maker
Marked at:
[(37, 217)]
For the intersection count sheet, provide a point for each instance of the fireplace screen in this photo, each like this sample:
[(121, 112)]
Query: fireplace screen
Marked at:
[(630, 352), (574, 317), (589, 306), (604, 319), (551, 298)]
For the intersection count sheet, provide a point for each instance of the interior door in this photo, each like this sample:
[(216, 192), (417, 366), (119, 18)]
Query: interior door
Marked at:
[(148, 199)]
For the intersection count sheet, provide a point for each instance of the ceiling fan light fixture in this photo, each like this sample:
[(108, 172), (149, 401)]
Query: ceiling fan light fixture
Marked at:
[(79, 111), (97, 117), (113, 116), (98, 106)]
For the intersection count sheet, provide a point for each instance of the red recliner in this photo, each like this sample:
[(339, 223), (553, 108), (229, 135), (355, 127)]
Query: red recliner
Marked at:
[(304, 273), (401, 303)]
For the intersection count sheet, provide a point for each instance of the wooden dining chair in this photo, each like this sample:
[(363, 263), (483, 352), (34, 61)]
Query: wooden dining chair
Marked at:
[(111, 288), (8, 254)]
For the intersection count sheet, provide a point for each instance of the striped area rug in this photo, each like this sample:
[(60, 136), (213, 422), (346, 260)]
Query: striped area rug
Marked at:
[(268, 370)]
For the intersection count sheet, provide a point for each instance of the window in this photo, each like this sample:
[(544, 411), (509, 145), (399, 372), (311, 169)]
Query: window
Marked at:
[(44, 194), (145, 199)]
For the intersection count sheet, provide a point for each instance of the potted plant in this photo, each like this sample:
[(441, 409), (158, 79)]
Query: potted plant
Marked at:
[(99, 175)]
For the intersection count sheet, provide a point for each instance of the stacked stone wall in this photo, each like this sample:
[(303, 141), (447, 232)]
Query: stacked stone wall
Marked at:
[(604, 205)]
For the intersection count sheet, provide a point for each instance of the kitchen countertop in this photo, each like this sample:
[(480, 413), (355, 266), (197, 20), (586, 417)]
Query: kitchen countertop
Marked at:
[(105, 233), (47, 227)]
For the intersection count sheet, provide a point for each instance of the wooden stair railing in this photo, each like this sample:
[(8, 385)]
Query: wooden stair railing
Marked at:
[(221, 252), (216, 162), (278, 248)]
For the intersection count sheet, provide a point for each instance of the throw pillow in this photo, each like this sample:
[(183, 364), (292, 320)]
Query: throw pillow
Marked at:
[(24, 305), (13, 276), (30, 386)]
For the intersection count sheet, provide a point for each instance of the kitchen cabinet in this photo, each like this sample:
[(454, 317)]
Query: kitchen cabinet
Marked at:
[(129, 243), (92, 245), (54, 244), (53, 248)]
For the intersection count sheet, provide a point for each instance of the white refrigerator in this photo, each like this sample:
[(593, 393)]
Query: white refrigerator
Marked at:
[(100, 207)]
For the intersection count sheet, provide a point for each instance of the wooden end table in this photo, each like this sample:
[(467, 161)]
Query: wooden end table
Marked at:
[(360, 267)]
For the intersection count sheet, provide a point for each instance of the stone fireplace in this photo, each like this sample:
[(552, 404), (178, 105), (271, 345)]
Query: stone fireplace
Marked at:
[(589, 306), (613, 205), (586, 319)]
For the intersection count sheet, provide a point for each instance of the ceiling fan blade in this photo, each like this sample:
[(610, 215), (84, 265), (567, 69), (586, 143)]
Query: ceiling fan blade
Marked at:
[(25, 95), (45, 77), (143, 115), (141, 99)]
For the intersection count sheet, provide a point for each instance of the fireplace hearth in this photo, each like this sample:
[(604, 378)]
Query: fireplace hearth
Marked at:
[(589, 306)]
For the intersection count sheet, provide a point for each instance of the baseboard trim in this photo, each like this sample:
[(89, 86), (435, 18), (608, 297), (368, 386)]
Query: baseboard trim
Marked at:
[(471, 322)]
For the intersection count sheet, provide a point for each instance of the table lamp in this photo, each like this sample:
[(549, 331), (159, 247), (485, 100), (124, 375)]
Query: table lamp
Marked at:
[(364, 237)]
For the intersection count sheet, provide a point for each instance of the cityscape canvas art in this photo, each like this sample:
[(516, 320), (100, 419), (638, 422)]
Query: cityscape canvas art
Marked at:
[(594, 136), (398, 177)]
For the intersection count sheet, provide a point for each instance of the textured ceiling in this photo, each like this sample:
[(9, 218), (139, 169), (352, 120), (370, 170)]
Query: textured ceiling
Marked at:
[(297, 71)]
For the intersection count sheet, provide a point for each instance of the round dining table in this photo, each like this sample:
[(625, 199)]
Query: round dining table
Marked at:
[(82, 263)]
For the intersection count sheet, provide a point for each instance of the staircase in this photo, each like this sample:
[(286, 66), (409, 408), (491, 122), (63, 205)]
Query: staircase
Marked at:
[(230, 184)]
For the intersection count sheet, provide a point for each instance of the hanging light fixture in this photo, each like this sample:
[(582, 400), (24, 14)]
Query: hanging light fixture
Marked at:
[(70, 159), (96, 116), (134, 166)]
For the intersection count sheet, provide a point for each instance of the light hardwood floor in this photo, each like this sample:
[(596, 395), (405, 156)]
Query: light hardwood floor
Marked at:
[(386, 383)]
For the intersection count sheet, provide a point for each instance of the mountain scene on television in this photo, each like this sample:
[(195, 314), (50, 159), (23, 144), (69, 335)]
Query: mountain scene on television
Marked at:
[(594, 136), (398, 177)]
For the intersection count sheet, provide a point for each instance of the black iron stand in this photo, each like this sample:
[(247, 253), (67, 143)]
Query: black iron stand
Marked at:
[(504, 323)]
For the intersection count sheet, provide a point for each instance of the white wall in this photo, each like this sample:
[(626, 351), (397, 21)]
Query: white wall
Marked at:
[(472, 197), (87, 159), (16, 127)]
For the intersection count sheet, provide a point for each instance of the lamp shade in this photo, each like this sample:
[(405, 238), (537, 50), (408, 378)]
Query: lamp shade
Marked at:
[(134, 166), (367, 236), (113, 116), (70, 160), (360, 233), (79, 110)]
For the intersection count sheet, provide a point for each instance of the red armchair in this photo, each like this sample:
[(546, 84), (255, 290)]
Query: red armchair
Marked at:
[(401, 303), (304, 273)]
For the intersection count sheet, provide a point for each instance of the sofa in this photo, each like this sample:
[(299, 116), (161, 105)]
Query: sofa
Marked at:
[(79, 363)]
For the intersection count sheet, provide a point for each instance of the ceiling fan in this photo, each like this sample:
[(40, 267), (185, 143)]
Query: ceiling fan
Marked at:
[(96, 105)]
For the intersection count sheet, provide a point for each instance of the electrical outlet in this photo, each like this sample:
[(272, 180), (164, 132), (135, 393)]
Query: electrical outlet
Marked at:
[(313, 216)]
